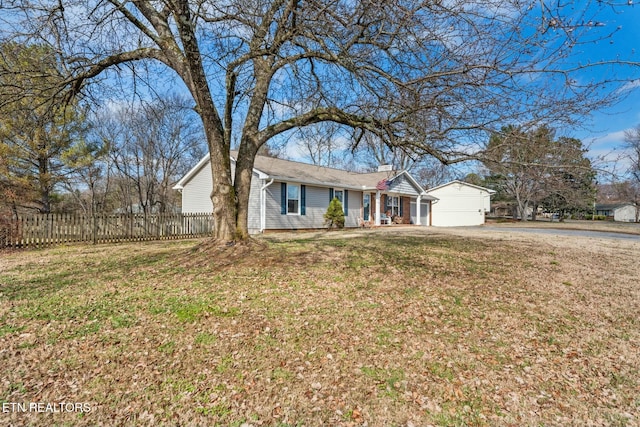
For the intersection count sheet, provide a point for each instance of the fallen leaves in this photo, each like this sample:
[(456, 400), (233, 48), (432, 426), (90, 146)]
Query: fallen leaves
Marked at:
[(387, 329)]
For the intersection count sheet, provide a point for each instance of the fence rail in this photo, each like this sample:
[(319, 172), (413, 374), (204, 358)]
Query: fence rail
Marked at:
[(50, 229)]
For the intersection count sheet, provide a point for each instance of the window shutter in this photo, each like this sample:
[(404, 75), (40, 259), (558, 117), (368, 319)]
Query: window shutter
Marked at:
[(400, 207), (303, 200), (330, 195), (346, 202), (283, 198)]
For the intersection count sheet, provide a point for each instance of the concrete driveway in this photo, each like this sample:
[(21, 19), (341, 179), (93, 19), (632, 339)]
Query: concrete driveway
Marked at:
[(565, 232)]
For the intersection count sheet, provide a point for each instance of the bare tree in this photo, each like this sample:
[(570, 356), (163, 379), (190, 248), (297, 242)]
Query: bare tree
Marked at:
[(321, 144), (632, 139), (535, 167), (431, 173), (631, 191), (518, 161), (88, 183), (150, 147), (425, 76), (569, 188), (375, 151)]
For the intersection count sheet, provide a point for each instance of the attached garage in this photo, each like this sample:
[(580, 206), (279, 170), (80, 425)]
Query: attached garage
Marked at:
[(459, 204)]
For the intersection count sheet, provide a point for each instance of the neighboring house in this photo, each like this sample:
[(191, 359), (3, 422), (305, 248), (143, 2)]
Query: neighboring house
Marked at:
[(624, 212), (288, 195), (459, 204)]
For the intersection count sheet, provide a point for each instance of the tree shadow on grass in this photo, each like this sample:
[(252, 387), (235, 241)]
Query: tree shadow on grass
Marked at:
[(76, 272)]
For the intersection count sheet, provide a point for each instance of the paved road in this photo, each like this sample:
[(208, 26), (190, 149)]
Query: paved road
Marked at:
[(566, 232)]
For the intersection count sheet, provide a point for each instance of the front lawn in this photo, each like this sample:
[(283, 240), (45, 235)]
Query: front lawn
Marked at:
[(339, 329)]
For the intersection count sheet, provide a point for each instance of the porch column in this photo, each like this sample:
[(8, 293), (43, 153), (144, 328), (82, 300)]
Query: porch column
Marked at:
[(418, 199), (378, 207)]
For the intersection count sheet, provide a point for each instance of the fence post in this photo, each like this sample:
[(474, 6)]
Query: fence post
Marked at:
[(94, 228)]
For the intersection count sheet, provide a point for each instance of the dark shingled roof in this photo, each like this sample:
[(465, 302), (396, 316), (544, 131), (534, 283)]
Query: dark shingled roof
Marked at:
[(287, 170)]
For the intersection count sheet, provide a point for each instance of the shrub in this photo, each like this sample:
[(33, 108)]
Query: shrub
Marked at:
[(334, 217)]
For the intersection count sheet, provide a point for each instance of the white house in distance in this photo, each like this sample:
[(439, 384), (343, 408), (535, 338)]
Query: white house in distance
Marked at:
[(459, 204), (623, 212)]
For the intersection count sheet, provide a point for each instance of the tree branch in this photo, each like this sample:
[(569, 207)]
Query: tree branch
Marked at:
[(323, 114), (77, 82)]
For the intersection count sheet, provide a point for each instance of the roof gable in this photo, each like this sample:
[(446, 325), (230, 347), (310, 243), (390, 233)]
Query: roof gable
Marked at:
[(455, 181), (192, 172)]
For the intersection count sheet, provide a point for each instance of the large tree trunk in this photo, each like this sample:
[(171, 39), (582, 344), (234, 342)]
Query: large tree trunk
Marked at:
[(522, 206), (222, 195), (191, 69), (534, 212), (244, 171), (250, 143)]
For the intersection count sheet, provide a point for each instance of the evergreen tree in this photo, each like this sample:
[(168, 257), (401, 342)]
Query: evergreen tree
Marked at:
[(37, 129), (334, 217), (534, 167)]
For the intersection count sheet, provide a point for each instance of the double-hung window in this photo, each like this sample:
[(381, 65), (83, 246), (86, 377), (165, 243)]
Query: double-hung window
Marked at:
[(342, 195), (393, 205), (339, 194), (293, 199)]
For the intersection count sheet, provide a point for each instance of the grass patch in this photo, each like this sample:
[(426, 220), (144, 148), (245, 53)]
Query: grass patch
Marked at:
[(389, 381), (189, 309), (325, 329), (205, 339), (6, 328)]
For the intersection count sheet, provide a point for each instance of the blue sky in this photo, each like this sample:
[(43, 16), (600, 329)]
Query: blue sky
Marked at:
[(603, 131)]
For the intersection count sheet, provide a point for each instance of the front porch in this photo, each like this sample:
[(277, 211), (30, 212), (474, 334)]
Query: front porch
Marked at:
[(388, 208)]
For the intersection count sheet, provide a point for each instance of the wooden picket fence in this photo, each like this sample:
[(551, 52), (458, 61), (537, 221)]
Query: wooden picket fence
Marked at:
[(38, 230)]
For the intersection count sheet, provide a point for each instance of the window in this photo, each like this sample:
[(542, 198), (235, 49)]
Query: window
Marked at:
[(338, 194), (366, 205), (342, 195), (393, 205), (293, 199)]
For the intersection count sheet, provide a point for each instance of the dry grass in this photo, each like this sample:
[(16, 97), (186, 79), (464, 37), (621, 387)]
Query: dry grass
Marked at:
[(376, 328)]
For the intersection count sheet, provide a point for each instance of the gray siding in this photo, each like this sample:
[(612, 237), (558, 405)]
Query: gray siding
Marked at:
[(317, 201), (196, 194), (254, 204), (196, 197), (402, 185), (355, 207)]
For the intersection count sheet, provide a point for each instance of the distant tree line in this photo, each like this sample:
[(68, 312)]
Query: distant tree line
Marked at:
[(426, 78), (535, 168), (56, 156)]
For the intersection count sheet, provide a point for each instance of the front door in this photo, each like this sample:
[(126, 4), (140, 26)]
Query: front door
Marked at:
[(366, 206)]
